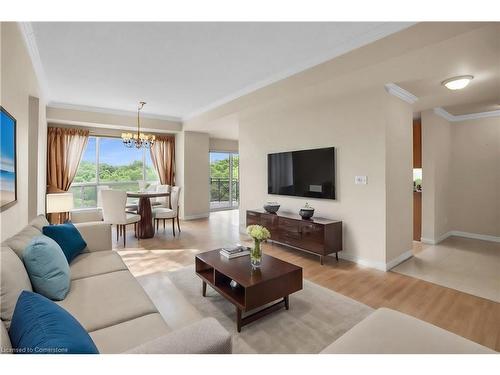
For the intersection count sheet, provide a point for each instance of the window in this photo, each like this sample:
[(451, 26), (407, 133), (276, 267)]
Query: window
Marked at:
[(224, 183), (107, 162)]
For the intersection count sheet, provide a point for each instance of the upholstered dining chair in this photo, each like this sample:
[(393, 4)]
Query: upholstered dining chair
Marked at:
[(113, 212), (99, 197), (165, 213), (153, 188), (163, 201)]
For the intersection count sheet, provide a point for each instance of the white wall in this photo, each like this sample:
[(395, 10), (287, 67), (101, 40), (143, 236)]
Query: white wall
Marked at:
[(475, 177), (192, 163), (93, 119), (399, 181), (460, 177), (228, 145), (18, 83), (356, 125)]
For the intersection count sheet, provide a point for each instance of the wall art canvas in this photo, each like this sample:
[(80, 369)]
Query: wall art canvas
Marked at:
[(8, 177)]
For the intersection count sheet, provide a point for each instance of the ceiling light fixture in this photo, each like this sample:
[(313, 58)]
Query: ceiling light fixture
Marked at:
[(138, 139), (457, 83)]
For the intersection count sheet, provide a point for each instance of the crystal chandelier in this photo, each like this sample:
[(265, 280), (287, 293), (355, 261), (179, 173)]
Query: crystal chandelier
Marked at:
[(138, 139)]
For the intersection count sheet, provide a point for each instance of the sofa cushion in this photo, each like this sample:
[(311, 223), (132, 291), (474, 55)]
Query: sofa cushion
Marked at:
[(39, 222), (85, 215), (13, 280), (96, 263), (206, 336), (105, 300), (390, 332), (97, 235), (5, 344), (127, 335), (68, 237), (39, 326), (47, 268), (22, 239)]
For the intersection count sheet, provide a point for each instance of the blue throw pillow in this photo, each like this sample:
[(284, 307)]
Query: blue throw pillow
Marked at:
[(68, 237), (47, 268), (39, 326)]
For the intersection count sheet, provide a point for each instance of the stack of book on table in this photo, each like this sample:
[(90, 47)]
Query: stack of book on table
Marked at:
[(235, 252)]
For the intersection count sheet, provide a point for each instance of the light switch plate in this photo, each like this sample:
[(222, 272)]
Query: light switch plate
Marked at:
[(361, 180)]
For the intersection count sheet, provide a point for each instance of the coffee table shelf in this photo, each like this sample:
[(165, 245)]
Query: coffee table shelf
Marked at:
[(274, 281)]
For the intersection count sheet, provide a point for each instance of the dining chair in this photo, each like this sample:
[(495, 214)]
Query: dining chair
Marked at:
[(153, 188), (99, 198), (165, 213), (113, 212), (163, 201)]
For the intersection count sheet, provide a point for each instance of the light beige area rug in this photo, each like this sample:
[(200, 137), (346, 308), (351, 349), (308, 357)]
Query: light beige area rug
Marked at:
[(317, 316), (468, 265)]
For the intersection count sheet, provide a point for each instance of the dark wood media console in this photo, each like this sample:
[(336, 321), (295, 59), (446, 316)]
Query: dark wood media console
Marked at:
[(317, 235)]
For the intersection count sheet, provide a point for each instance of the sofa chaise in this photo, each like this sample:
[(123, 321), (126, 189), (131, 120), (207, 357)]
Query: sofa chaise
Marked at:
[(106, 299)]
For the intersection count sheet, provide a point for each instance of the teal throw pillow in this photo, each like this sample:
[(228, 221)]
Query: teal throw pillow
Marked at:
[(47, 268)]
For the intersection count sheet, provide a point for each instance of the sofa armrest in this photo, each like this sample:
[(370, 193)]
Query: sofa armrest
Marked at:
[(97, 235), (204, 337)]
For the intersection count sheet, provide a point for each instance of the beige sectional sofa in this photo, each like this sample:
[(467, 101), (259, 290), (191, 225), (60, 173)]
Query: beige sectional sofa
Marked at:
[(106, 299)]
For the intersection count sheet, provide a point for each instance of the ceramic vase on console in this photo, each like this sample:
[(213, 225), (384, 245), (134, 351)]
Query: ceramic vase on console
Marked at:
[(258, 234)]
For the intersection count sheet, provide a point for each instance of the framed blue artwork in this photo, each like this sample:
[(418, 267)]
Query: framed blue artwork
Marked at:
[(8, 175)]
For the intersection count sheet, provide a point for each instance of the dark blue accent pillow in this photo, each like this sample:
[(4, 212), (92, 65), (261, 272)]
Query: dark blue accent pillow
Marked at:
[(40, 326), (68, 237)]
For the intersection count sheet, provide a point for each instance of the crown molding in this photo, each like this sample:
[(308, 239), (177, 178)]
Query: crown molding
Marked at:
[(109, 111), (400, 93), (470, 116), (29, 40), (358, 41)]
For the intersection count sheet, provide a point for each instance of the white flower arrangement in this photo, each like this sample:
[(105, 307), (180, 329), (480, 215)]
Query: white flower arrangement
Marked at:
[(258, 232)]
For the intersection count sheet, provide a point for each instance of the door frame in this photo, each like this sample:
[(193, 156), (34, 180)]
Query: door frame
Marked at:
[(230, 198)]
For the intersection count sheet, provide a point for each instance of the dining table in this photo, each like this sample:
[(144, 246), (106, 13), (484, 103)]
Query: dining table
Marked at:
[(146, 228)]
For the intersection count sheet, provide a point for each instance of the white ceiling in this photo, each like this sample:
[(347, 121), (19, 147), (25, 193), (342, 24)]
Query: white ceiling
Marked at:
[(182, 69)]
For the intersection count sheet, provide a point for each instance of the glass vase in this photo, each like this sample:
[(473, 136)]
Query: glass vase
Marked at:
[(256, 254)]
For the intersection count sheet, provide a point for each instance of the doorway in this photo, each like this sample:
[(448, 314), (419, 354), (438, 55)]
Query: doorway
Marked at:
[(224, 180), (417, 180)]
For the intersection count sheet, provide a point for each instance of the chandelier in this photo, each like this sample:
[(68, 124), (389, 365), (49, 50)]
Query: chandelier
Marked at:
[(138, 139)]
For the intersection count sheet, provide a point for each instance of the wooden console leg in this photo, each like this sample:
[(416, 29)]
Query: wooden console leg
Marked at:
[(321, 259), (204, 289), (337, 256), (238, 319), (287, 303)]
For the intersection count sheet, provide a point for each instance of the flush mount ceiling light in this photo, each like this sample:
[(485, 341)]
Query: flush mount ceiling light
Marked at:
[(457, 83)]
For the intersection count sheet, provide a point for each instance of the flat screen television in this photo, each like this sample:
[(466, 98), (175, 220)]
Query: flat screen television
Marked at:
[(304, 173)]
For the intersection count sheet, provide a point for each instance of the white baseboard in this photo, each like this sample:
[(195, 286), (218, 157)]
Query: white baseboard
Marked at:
[(400, 259), (194, 217), (381, 266), (477, 236), (458, 233)]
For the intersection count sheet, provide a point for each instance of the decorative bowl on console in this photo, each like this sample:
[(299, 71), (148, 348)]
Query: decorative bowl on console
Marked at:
[(306, 212), (272, 207)]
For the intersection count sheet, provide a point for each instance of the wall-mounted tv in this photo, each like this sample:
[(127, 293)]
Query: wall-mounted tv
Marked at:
[(304, 173)]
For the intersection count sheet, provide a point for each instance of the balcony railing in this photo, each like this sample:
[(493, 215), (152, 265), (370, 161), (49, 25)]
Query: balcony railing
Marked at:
[(85, 193), (219, 189)]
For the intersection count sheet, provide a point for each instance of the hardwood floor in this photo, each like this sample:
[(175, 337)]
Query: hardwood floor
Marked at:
[(469, 316)]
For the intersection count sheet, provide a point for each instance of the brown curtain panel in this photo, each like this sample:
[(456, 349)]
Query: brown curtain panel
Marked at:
[(163, 157), (64, 151)]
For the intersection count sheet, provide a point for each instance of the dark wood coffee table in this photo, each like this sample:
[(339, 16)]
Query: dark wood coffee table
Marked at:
[(274, 280)]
